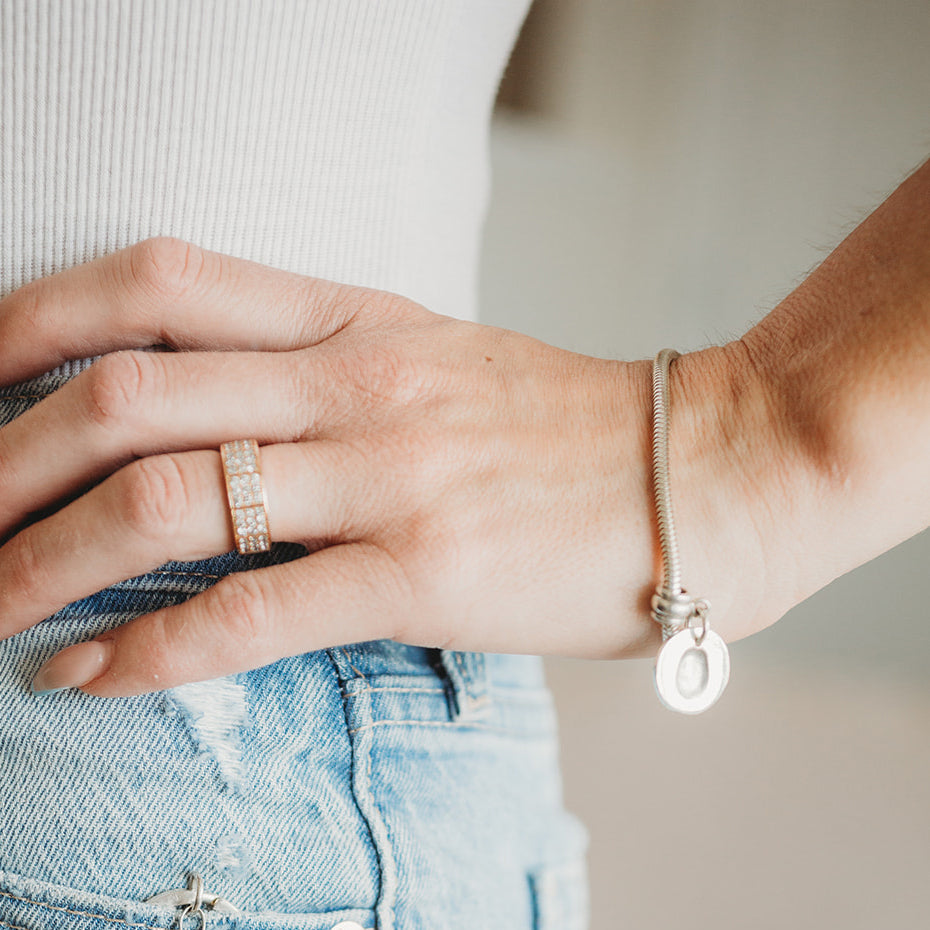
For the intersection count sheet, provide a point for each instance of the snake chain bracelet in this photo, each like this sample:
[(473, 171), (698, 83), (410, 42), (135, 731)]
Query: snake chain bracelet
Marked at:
[(693, 665)]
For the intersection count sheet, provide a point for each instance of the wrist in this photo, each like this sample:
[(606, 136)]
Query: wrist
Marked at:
[(851, 400), (740, 493)]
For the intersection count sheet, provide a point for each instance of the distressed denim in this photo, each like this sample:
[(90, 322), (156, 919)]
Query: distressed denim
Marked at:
[(399, 787)]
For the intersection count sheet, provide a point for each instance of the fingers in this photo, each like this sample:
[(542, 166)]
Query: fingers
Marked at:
[(134, 404), (343, 594), (174, 507), (166, 291)]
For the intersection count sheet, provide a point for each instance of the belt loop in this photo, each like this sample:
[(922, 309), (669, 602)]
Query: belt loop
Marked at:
[(468, 678)]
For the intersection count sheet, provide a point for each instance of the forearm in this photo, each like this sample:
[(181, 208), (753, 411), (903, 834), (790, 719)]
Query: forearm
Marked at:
[(802, 450), (847, 361), (806, 444)]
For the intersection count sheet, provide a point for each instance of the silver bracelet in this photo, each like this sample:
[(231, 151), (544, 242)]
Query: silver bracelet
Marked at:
[(693, 665)]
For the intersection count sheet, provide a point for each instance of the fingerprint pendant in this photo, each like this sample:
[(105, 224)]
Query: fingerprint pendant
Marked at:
[(692, 671)]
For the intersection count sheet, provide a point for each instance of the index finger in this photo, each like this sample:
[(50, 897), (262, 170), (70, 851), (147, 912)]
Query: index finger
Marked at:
[(166, 291)]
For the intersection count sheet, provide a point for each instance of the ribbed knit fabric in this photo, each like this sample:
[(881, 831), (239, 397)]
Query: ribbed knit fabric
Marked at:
[(341, 138)]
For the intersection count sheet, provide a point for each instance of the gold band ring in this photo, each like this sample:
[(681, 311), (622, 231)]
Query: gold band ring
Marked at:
[(245, 489)]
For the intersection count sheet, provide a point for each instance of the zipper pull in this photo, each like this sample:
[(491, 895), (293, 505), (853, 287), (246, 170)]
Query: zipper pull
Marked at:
[(193, 901)]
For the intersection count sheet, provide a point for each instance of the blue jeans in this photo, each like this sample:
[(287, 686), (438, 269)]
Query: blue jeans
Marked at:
[(396, 786)]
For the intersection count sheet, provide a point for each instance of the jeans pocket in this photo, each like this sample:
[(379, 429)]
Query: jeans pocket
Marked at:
[(560, 895)]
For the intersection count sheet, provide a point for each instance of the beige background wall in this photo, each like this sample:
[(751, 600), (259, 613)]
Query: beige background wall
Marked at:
[(674, 168)]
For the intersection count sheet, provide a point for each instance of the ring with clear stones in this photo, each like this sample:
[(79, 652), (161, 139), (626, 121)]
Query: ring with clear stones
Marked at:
[(245, 489)]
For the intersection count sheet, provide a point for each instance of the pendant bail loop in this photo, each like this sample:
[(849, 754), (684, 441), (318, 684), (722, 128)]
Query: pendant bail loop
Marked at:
[(701, 608)]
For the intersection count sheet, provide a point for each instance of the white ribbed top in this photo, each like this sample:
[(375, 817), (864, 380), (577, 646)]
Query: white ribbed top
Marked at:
[(340, 138)]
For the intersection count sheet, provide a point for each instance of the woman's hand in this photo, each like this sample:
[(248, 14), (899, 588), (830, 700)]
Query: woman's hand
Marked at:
[(456, 485)]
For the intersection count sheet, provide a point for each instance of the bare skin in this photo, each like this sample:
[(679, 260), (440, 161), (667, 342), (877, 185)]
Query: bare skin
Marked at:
[(456, 485)]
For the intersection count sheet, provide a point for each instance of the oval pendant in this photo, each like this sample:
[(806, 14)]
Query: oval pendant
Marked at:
[(690, 677)]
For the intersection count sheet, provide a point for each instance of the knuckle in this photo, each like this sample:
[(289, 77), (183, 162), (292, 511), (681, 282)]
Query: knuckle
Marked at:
[(118, 386), (320, 308), (24, 566), (397, 578), (241, 603), (27, 308), (432, 547), (10, 475), (165, 267), (156, 496), (425, 467), (386, 375), (298, 386), (390, 579), (381, 306)]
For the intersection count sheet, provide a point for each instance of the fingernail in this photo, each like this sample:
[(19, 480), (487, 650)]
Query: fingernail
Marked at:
[(73, 667)]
